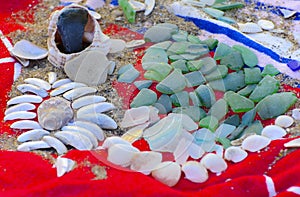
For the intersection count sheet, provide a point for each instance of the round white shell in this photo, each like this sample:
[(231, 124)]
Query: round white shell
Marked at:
[(293, 143), (255, 143), (273, 132), (284, 121), (249, 28), (266, 24), (214, 163), (195, 172), (235, 154), (167, 172), (296, 113), (27, 50)]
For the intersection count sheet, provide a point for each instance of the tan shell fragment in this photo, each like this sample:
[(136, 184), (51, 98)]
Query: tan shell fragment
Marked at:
[(93, 34), (54, 113)]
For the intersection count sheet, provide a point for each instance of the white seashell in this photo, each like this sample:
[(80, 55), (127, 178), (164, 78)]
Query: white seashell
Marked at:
[(94, 14), (25, 99), (84, 132), (149, 6), (32, 135), (121, 154), (167, 172), (24, 62), (145, 161), (187, 122), (135, 116), (135, 43), (52, 77), (117, 45), (255, 143), (19, 115), (296, 113), (110, 141), (54, 113), (134, 133), (249, 28), (38, 82), (92, 127), (195, 151), (111, 67), (5, 41), (214, 163), (56, 144), (104, 121), (33, 145), (273, 132), (24, 88), (17, 70), (78, 92), (137, 6), (195, 172), (95, 108), (20, 107), (77, 140), (235, 154), (25, 124), (95, 4), (27, 50), (63, 165), (60, 82), (99, 40), (266, 24), (293, 143), (68, 86), (287, 13), (87, 100), (284, 121)]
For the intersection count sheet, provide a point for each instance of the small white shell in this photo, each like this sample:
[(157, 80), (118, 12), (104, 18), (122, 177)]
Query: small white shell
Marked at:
[(296, 113), (145, 161), (87, 100), (195, 172), (95, 108), (52, 77), (24, 62), (214, 163), (135, 116), (266, 24), (56, 144), (255, 143), (92, 127), (84, 132), (65, 87), (293, 143), (110, 141), (149, 6), (20, 107), (249, 28), (60, 82), (121, 154), (27, 50), (32, 135), (77, 140), (78, 92), (273, 132), (32, 89), (284, 121), (104, 121), (39, 82), (167, 172), (25, 124), (287, 13), (235, 154), (137, 6), (19, 115), (25, 99), (63, 165), (96, 15), (33, 145), (135, 43)]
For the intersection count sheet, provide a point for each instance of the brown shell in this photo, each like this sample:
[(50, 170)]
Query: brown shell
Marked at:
[(93, 33)]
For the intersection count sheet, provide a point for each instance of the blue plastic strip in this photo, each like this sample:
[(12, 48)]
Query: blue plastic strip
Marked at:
[(114, 2)]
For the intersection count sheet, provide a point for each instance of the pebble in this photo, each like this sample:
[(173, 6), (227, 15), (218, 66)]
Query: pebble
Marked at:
[(255, 143), (284, 121)]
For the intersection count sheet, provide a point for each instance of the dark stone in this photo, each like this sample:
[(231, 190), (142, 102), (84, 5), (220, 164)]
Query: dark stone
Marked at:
[(70, 25)]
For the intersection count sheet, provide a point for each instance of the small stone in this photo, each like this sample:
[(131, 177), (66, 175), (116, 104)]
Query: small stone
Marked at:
[(204, 65), (213, 12), (254, 143), (145, 97), (273, 132), (284, 121), (89, 67), (294, 65), (224, 130), (211, 43)]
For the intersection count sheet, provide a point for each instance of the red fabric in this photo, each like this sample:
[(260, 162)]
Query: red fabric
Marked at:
[(27, 174)]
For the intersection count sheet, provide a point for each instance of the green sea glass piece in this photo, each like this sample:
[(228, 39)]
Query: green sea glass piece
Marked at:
[(233, 81), (246, 91), (206, 95), (160, 32), (142, 84), (252, 75), (233, 120), (269, 69), (180, 64), (225, 142), (213, 12), (194, 39), (233, 60), (158, 71), (124, 68), (161, 45), (211, 43), (209, 122), (185, 56), (219, 109), (197, 49), (230, 6), (221, 51), (145, 97), (177, 48), (224, 130), (237, 132), (237, 102), (195, 100), (128, 10), (194, 79), (206, 65), (256, 127), (174, 82), (275, 104), (128, 74), (194, 112), (180, 99), (249, 57), (267, 86), (180, 36), (248, 117), (226, 19), (155, 55), (164, 104), (219, 73)]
